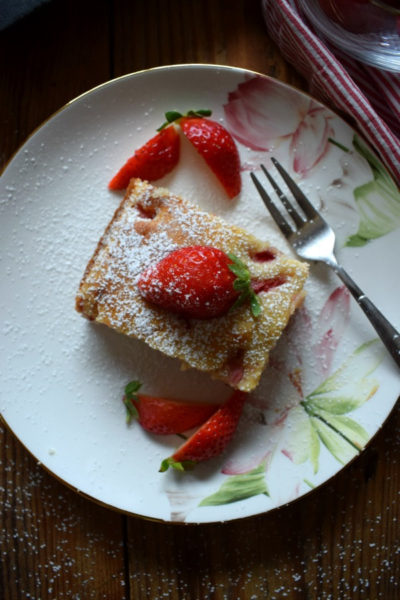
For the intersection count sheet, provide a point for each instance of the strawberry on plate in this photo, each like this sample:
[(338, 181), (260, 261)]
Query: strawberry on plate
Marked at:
[(201, 282), (152, 161), (211, 439), (161, 153), (163, 415), (216, 145)]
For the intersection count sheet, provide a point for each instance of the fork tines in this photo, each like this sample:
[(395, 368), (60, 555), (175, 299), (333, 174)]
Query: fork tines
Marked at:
[(306, 206)]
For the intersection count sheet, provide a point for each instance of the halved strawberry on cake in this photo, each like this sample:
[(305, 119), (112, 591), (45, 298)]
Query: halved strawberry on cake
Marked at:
[(191, 285)]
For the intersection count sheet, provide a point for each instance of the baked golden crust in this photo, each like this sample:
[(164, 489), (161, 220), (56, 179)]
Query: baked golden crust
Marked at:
[(151, 222)]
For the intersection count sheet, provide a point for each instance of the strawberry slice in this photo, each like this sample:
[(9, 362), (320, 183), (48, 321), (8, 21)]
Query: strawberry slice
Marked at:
[(216, 145), (152, 161), (212, 437), (162, 415), (199, 282)]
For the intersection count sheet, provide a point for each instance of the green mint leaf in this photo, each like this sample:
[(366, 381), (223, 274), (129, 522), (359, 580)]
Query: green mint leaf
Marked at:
[(241, 273), (255, 305), (243, 285), (237, 262), (242, 299)]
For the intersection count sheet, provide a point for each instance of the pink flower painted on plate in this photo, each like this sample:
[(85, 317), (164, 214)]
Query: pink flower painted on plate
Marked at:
[(260, 113)]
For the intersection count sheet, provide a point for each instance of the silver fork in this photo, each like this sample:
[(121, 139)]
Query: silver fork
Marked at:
[(314, 240)]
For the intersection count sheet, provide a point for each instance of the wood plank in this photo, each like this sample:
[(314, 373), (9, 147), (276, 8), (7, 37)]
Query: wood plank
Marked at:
[(54, 543), (53, 540), (316, 547), (163, 32), (53, 55), (341, 541)]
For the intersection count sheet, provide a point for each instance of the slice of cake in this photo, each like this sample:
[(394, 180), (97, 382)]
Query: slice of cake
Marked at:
[(149, 224)]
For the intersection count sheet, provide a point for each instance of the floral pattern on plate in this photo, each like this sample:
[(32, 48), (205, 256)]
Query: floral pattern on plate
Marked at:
[(304, 421), (317, 402), (321, 399)]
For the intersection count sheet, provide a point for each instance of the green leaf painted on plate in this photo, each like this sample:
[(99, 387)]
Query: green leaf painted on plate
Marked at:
[(309, 483), (314, 450), (349, 386), (345, 400), (337, 445), (377, 201), (302, 442), (320, 417), (347, 427), (239, 487), (377, 167)]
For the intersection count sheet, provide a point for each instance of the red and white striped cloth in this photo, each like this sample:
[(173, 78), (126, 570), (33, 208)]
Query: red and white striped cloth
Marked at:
[(368, 95)]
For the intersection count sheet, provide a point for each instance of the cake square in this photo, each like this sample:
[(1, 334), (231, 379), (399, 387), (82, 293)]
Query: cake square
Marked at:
[(150, 223)]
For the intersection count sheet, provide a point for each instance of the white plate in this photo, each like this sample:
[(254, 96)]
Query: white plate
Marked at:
[(63, 377)]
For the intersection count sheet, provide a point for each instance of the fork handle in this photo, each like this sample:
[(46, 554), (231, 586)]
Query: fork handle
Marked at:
[(388, 334)]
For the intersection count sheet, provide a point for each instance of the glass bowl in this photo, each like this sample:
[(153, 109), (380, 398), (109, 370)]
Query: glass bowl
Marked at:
[(367, 30)]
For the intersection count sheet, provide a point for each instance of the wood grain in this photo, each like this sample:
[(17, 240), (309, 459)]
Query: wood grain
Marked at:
[(342, 541)]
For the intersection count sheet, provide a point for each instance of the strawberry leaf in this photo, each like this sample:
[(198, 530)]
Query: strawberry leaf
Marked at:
[(185, 465), (131, 390), (243, 285), (202, 112), (255, 305), (131, 410), (173, 115), (170, 116)]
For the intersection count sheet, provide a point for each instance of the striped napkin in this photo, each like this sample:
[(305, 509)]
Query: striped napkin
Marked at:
[(371, 97)]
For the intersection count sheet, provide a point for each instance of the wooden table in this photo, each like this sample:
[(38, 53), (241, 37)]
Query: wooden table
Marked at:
[(340, 542)]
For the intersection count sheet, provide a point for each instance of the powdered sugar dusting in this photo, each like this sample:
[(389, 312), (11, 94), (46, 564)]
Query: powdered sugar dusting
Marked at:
[(133, 242), (54, 206), (342, 555)]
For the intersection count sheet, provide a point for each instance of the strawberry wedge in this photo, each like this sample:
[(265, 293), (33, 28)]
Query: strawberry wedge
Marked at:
[(152, 161), (216, 145), (163, 415), (212, 437)]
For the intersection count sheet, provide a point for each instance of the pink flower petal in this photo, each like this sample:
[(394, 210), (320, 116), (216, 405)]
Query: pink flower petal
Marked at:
[(310, 142), (241, 466), (261, 111), (299, 335), (288, 454), (330, 327)]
